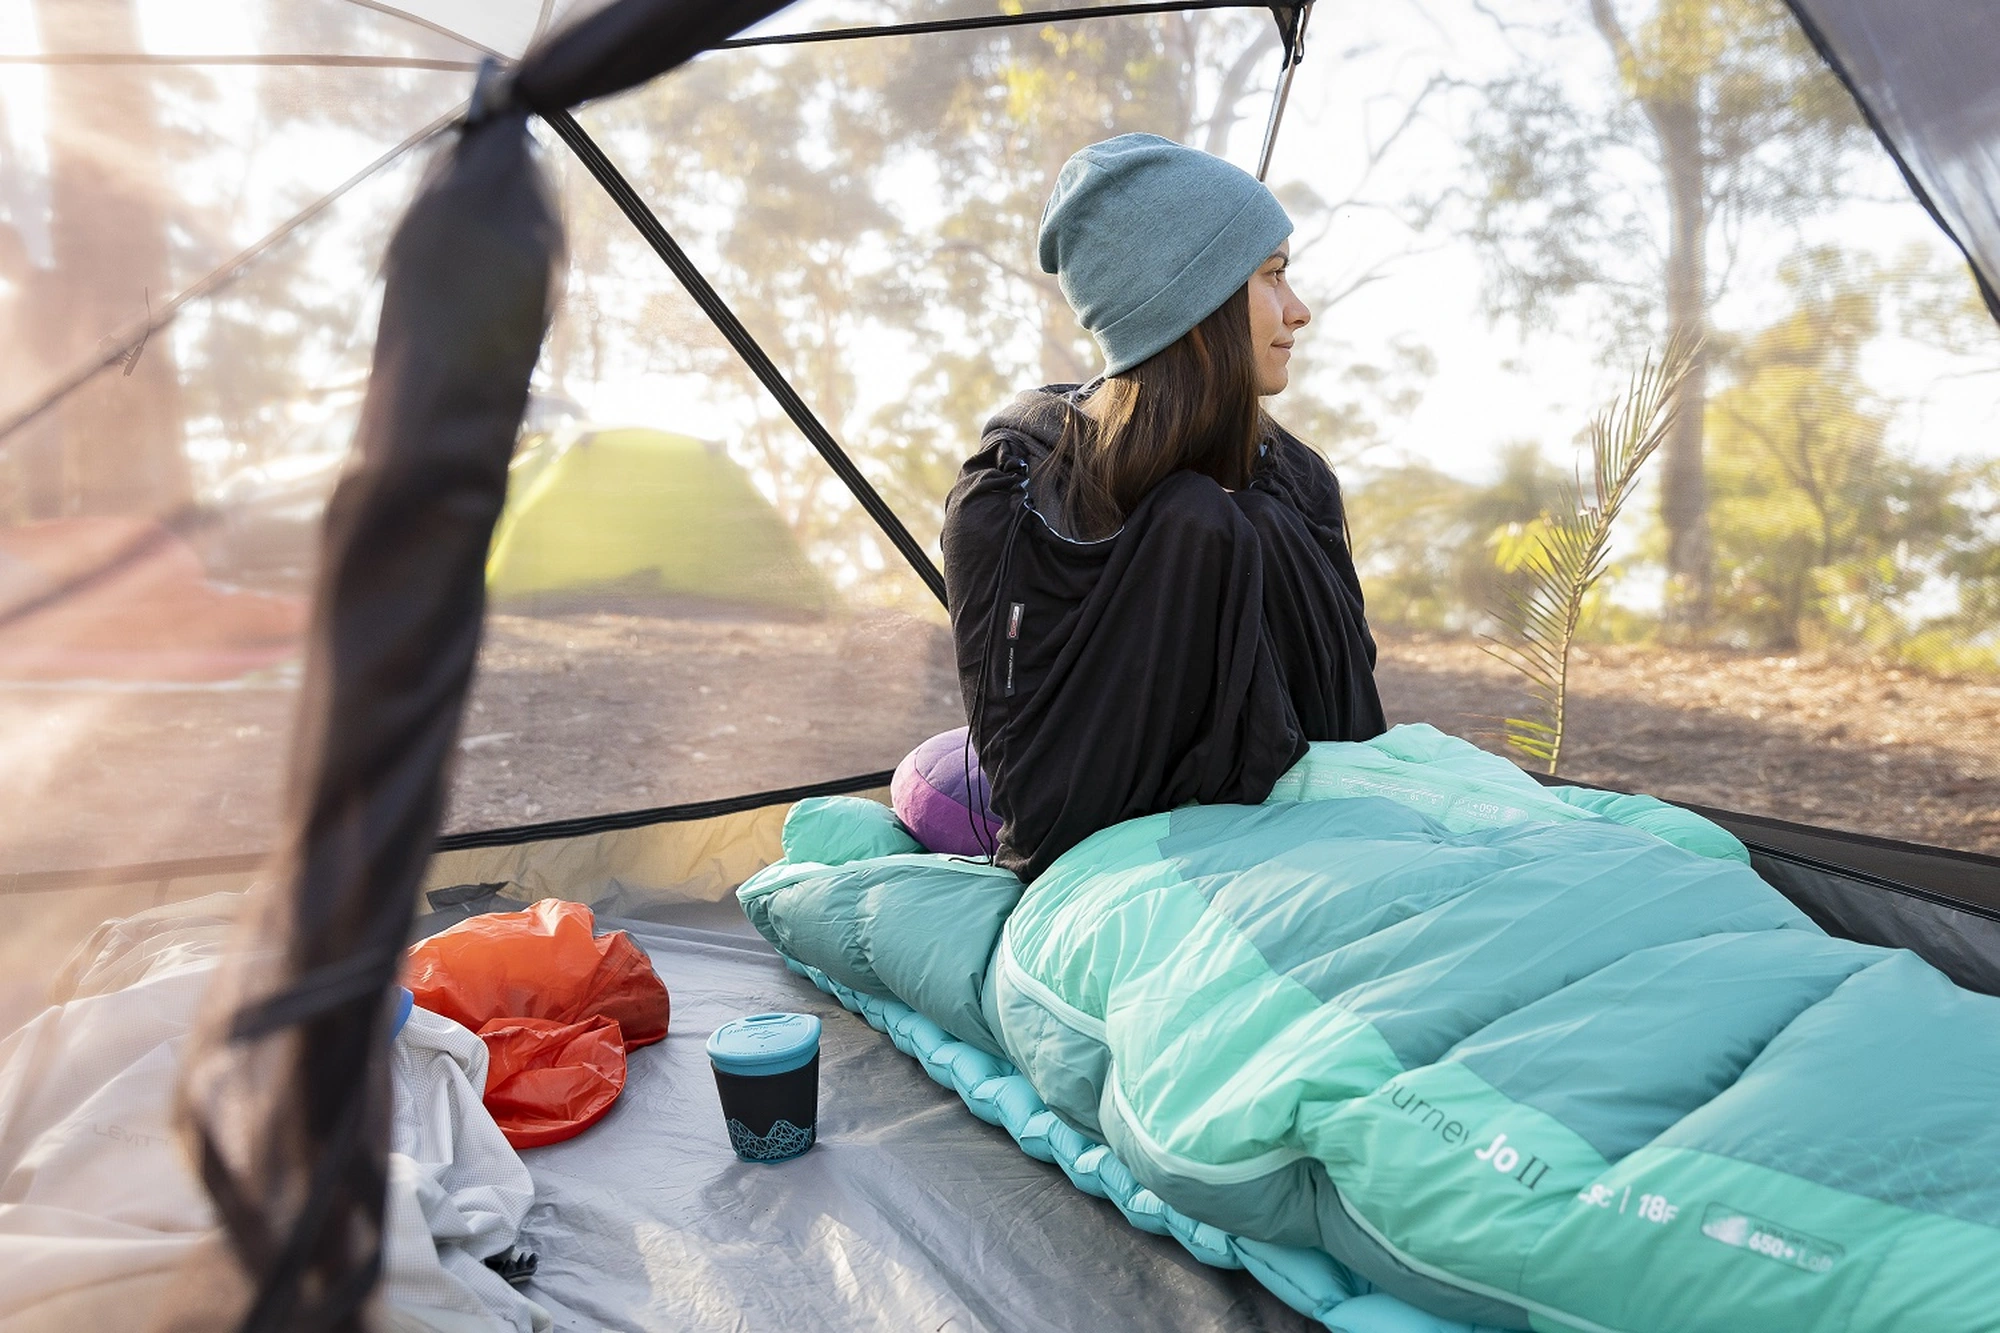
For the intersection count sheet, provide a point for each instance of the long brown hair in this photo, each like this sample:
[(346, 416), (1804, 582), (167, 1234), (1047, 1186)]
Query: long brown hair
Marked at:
[(1190, 407)]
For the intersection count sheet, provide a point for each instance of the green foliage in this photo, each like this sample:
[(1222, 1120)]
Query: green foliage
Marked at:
[(1424, 539), (1718, 113), (1827, 538), (1563, 554), (1627, 205), (1823, 534)]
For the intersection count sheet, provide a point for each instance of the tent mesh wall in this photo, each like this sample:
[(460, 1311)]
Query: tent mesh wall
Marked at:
[(1486, 225), (186, 313), (1483, 231)]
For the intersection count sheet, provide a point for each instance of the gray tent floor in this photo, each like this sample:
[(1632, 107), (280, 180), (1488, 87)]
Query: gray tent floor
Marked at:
[(909, 1214)]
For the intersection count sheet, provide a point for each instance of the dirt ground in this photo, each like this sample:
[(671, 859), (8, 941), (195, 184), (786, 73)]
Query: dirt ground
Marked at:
[(583, 714), (588, 713), (612, 712), (597, 712), (1877, 750)]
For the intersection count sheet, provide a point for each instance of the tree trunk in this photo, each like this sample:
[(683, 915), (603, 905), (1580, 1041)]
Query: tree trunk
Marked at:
[(1792, 614), (120, 435), (1229, 98), (1684, 486)]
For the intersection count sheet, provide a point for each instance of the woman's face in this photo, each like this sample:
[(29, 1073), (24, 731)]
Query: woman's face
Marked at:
[(1276, 314)]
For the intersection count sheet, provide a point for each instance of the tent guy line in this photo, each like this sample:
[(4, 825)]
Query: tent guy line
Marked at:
[(443, 31)]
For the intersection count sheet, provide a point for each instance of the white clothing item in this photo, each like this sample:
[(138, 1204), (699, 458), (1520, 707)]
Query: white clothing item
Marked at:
[(99, 1207), (457, 1189)]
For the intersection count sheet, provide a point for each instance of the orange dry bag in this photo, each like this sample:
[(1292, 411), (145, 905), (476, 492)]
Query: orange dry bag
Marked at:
[(557, 1005)]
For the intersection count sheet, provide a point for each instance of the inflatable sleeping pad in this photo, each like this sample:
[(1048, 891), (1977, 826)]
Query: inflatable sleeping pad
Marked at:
[(1527, 1058)]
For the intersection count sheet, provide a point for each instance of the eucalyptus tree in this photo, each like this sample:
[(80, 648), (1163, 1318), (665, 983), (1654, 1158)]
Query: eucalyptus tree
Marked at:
[(1631, 185), (1830, 536)]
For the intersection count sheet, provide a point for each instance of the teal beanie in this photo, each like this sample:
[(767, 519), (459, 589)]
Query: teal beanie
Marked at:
[(1148, 238)]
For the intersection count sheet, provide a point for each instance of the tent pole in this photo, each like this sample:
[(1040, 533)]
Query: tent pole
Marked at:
[(1295, 51), (669, 250), (984, 22)]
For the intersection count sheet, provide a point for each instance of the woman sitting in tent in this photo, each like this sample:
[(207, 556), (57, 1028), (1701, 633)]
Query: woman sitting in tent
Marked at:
[(1152, 596)]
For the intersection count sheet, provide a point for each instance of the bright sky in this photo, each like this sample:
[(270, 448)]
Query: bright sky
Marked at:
[(251, 176)]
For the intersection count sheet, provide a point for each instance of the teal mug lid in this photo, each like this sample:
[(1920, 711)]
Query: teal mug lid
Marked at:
[(764, 1044)]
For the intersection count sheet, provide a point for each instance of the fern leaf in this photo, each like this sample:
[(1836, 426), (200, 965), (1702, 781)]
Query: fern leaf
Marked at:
[(1572, 549)]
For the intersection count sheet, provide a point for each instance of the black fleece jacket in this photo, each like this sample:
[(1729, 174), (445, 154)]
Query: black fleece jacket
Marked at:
[(1190, 656)]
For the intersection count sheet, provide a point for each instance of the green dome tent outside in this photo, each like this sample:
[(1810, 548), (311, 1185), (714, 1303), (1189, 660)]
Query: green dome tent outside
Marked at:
[(638, 512)]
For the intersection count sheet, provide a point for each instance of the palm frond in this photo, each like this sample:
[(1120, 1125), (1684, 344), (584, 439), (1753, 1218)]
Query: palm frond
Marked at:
[(1539, 617)]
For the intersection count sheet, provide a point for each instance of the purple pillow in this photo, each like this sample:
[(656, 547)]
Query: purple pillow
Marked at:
[(942, 800)]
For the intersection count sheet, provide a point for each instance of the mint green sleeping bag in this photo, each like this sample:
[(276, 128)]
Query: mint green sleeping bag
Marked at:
[(1537, 1059)]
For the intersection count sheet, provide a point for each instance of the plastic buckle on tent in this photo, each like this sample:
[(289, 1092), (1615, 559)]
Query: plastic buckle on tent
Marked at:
[(492, 92)]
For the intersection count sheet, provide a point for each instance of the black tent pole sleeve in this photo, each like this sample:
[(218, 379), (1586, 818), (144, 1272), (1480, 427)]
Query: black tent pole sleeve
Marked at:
[(711, 302), (284, 1092), (582, 826), (1030, 18), (587, 826), (1965, 881)]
